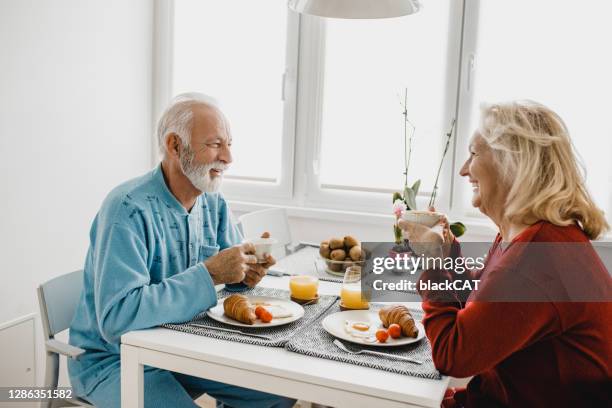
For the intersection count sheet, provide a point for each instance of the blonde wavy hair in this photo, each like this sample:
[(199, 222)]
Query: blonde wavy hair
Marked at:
[(538, 161)]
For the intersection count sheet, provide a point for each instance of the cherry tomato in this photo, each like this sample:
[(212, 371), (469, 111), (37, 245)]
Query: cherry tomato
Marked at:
[(382, 335), (266, 316), (259, 310), (395, 331)]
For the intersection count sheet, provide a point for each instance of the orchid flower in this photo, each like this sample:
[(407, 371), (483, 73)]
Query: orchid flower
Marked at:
[(399, 207)]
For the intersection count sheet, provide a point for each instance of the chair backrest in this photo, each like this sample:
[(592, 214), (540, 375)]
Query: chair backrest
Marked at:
[(273, 220), (58, 299)]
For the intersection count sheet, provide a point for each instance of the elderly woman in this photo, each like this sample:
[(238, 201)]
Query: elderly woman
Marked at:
[(541, 353)]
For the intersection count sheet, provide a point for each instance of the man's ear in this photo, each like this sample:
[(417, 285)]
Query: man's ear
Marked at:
[(173, 144)]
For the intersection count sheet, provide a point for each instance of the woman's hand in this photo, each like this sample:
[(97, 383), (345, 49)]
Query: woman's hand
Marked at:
[(425, 240), (447, 234)]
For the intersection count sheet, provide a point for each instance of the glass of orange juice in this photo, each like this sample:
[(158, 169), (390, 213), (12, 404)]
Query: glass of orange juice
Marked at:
[(304, 288), (351, 295)]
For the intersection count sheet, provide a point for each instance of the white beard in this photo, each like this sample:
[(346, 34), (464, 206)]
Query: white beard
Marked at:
[(199, 174)]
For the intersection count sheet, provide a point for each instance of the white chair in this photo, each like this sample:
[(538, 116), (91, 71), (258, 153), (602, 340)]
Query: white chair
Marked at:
[(273, 220), (58, 299)]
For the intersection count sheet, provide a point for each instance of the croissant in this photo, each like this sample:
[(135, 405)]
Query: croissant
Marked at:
[(239, 308), (401, 315)]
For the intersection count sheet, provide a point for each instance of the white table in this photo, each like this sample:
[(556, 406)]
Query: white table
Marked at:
[(269, 369)]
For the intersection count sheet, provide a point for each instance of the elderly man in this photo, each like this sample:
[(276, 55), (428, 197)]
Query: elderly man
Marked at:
[(159, 245)]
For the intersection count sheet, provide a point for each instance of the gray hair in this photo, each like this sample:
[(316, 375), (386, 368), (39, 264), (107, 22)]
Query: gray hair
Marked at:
[(178, 117)]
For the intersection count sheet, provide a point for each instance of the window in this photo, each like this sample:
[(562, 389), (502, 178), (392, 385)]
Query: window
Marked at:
[(560, 57), (315, 108), (366, 67), (226, 49), (363, 86)]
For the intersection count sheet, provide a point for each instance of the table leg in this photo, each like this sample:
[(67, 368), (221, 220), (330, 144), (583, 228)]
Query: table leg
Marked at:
[(132, 378)]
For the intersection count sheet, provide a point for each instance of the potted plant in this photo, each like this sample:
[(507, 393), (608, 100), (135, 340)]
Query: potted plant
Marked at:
[(406, 201)]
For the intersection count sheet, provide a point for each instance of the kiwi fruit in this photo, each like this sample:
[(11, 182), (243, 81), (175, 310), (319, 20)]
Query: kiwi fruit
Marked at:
[(336, 243), (356, 253), (338, 254), (324, 250), (335, 267), (350, 241)]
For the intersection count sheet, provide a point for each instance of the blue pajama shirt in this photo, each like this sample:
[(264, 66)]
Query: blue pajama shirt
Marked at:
[(144, 268)]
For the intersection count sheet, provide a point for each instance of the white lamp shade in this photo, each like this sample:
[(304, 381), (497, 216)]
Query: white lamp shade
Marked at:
[(356, 8)]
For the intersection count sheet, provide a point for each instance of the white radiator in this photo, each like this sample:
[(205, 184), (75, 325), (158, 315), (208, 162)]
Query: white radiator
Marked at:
[(18, 352)]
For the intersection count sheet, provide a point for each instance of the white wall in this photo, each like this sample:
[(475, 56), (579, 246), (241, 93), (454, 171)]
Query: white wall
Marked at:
[(75, 120)]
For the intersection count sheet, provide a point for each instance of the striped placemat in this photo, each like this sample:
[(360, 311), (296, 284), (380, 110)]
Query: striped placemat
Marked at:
[(315, 341), (279, 335)]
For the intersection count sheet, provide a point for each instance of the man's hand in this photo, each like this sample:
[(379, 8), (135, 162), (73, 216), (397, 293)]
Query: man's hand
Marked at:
[(231, 264), (257, 271)]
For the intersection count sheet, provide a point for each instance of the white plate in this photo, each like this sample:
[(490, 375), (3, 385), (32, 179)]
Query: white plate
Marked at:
[(335, 323), (297, 311)]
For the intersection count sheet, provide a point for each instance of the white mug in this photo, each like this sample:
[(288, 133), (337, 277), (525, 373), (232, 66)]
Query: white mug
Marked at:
[(262, 246)]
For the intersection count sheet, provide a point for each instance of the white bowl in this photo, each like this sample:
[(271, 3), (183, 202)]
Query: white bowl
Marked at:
[(426, 218), (338, 268)]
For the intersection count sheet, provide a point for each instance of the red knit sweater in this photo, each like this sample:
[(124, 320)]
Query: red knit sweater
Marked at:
[(521, 354)]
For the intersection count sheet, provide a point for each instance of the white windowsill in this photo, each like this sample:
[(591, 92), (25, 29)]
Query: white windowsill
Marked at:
[(476, 226), (314, 213)]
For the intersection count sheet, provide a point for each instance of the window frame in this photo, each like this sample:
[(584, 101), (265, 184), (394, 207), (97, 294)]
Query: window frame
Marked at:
[(460, 203), (309, 124), (237, 187), (298, 186), (303, 89)]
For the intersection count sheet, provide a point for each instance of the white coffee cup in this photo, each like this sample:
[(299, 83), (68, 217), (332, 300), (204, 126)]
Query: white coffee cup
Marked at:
[(262, 246), (426, 218)]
